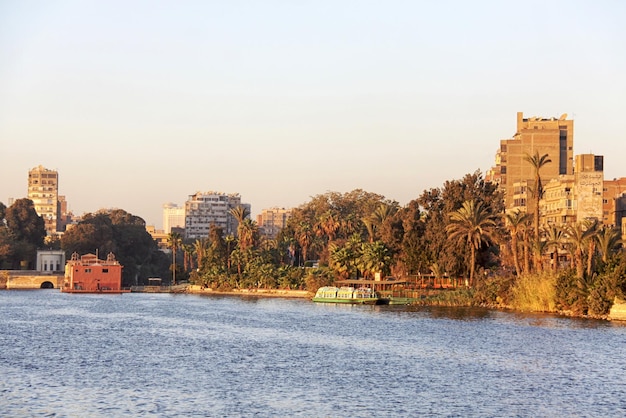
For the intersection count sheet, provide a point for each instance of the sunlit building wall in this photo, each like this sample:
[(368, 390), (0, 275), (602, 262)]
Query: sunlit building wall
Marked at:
[(43, 190), (551, 136), (211, 208), (272, 220), (173, 217)]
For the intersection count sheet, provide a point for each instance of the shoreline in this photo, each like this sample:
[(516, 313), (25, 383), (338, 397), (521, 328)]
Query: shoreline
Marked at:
[(266, 293)]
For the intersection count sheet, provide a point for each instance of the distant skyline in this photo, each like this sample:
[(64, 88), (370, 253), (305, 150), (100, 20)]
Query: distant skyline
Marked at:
[(140, 103)]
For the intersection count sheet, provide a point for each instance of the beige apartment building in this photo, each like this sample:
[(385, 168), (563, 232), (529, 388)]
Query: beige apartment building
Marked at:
[(43, 190), (272, 220), (211, 208), (515, 175), (572, 198)]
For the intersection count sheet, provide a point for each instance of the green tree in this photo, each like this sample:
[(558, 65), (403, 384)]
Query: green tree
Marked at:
[(609, 239), (123, 234), (473, 224), (374, 259), (577, 237), (174, 241), (537, 163), (555, 238), (516, 221), (26, 231)]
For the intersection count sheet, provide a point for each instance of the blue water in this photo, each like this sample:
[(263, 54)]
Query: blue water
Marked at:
[(71, 355)]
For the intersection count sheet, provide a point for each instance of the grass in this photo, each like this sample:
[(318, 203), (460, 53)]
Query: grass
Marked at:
[(534, 293)]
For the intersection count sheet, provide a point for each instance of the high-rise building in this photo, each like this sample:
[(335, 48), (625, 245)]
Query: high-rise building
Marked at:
[(271, 221), (536, 135), (173, 217), (43, 190), (211, 208)]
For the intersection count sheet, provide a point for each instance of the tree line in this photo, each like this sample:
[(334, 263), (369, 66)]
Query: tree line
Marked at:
[(459, 230)]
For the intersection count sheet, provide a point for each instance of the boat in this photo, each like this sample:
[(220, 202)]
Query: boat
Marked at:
[(347, 294)]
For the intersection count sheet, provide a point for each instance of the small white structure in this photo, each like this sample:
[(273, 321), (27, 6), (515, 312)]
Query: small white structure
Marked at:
[(50, 261)]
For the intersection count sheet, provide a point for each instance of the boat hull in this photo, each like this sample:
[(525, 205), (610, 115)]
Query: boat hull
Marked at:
[(349, 301)]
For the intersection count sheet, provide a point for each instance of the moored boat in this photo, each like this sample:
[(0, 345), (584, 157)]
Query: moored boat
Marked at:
[(346, 294)]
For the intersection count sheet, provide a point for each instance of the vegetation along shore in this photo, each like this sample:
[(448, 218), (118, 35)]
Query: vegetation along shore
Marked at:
[(458, 231)]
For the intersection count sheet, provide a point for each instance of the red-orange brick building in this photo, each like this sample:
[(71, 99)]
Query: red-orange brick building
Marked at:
[(89, 274)]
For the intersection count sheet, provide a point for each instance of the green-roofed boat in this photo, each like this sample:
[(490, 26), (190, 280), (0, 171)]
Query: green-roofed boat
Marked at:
[(347, 294)]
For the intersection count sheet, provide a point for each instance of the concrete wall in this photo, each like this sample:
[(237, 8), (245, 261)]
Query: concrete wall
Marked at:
[(15, 279)]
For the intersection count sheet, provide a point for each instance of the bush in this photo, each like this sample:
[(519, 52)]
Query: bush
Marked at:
[(535, 293), (318, 277)]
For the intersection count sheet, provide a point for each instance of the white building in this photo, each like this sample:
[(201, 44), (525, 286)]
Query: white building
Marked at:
[(173, 217), (50, 261), (211, 208)]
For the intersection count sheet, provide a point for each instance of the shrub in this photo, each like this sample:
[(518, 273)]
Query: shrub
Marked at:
[(534, 292)]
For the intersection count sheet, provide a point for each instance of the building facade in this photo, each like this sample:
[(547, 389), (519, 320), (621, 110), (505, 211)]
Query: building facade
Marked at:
[(88, 273), (173, 217), (43, 190), (614, 203), (272, 220), (572, 198), (50, 261), (211, 208), (515, 175)]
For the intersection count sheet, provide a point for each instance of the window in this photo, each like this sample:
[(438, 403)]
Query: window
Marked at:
[(105, 270), (87, 270)]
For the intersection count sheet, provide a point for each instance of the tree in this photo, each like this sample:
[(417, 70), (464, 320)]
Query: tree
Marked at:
[(516, 221), (608, 240), (123, 234), (174, 241), (473, 224), (577, 236), (26, 229), (537, 162), (374, 258), (555, 238)]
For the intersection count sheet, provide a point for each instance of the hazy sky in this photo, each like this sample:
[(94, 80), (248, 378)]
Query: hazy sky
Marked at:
[(139, 103)]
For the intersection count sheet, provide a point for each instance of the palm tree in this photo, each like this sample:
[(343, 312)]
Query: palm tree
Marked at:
[(577, 237), (370, 226), (200, 246), (374, 258), (555, 236), (187, 256), (608, 240), (239, 213), (516, 221), (592, 229), (473, 224), (537, 163), (304, 236), (174, 241), (229, 239)]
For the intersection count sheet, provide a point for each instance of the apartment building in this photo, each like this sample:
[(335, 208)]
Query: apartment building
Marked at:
[(614, 203), (211, 208), (272, 220), (43, 190), (572, 198), (515, 175)]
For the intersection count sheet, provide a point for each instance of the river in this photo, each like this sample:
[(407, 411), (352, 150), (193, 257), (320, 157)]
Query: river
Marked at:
[(140, 354)]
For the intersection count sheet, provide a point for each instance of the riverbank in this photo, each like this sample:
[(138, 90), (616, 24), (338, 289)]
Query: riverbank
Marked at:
[(267, 293)]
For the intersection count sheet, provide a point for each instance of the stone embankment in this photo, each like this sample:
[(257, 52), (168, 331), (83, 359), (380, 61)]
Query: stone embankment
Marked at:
[(618, 310), (277, 293)]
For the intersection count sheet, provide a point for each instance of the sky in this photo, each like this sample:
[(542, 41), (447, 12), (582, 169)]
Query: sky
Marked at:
[(140, 103)]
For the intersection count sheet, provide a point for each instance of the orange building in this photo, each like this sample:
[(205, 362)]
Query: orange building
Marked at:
[(89, 274)]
